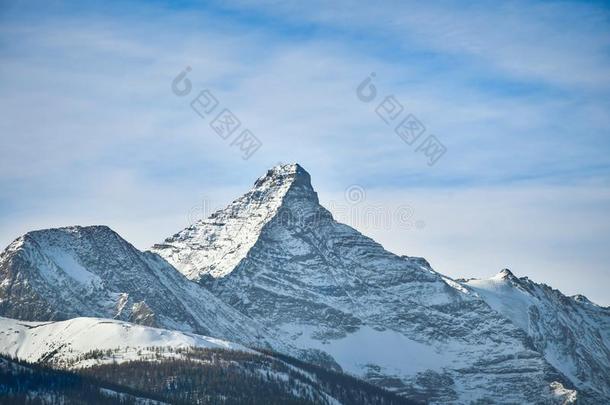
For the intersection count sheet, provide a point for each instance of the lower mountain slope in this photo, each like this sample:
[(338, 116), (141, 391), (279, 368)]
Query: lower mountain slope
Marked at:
[(66, 343), (232, 377), (113, 359), (23, 383)]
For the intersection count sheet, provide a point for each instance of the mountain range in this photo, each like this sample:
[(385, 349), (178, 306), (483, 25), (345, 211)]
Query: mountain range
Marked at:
[(274, 270)]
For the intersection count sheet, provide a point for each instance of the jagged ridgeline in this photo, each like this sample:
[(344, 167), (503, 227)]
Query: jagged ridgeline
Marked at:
[(274, 269)]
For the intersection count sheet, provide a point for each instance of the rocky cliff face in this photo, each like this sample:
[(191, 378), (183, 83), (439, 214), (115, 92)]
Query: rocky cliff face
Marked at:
[(278, 256), (63, 273)]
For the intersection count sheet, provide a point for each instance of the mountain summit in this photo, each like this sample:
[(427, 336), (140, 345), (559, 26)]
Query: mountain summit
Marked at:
[(278, 256), (286, 173), (213, 247)]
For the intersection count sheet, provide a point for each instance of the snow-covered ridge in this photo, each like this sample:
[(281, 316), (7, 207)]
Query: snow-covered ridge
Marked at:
[(61, 343), (215, 246), (62, 273), (572, 332)]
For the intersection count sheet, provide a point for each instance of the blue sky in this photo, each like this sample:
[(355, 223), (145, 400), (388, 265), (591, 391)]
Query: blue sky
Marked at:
[(519, 93)]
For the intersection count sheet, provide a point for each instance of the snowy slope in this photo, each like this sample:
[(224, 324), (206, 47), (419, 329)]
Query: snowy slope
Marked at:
[(89, 344), (63, 273), (390, 319), (572, 332), (62, 342)]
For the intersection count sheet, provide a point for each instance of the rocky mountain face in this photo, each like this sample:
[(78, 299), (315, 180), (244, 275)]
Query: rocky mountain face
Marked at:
[(64, 273), (572, 332), (278, 256)]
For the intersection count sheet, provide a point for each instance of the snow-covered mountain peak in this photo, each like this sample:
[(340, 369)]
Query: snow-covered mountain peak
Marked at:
[(55, 236), (285, 179), (213, 247), (73, 230), (509, 279), (69, 239), (44, 234), (504, 274), (284, 173)]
